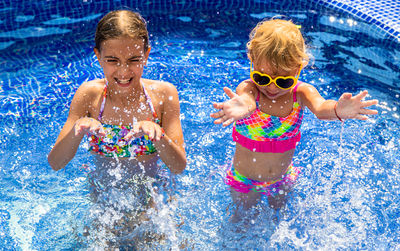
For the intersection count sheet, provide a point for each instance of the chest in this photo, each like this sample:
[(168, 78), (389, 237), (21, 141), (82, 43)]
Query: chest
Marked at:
[(125, 113), (281, 107)]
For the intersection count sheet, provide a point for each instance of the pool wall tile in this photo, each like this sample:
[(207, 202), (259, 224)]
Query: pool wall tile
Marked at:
[(382, 13)]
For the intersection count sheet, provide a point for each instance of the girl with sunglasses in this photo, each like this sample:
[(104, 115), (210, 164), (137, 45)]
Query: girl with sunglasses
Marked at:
[(267, 111)]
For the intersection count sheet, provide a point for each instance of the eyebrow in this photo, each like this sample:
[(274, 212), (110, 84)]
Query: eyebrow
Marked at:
[(134, 57)]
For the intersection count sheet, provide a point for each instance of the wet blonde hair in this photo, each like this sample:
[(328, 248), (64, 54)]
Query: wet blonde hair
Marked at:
[(280, 43), (121, 23)]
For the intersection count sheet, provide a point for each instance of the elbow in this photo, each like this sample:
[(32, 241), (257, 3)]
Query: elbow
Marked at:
[(320, 116), (179, 167), (54, 164)]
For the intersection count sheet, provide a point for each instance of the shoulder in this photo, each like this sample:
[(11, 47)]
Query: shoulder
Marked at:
[(159, 88), (304, 92), (91, 88), (305, 89), (247, 86)]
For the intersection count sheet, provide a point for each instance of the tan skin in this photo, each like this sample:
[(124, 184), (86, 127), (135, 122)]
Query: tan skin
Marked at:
[(277, 102), (122, 60)]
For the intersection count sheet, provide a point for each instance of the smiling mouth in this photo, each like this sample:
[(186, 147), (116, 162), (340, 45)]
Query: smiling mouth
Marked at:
[(123, 81), (271, 94)]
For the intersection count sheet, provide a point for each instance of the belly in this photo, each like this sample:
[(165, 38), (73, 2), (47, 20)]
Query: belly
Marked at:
[(261, 166)]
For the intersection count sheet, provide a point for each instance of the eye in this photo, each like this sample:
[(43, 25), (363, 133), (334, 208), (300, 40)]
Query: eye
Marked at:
[(111, 60)]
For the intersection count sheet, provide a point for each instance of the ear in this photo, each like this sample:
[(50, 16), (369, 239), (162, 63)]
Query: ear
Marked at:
[(146, 55), (249, 57), (97, 52)]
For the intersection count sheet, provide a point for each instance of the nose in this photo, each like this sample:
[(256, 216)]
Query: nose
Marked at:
[(272, 88), (123, 69)]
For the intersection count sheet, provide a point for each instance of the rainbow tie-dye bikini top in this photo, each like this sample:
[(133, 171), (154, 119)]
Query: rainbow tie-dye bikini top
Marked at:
[(261, 132), (114, 145)]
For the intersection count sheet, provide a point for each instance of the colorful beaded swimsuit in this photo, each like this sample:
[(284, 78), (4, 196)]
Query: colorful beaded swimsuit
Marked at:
[(261, 132), (114, 145)]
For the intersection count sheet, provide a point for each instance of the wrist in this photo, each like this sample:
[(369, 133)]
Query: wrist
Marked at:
[(337, 116)]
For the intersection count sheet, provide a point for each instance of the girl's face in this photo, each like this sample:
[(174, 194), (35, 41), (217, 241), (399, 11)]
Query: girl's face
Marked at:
[(272, 91), (122, 60)]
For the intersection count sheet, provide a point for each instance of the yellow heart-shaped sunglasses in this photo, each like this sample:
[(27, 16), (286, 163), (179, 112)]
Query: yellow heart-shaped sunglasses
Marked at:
[(262, 79)]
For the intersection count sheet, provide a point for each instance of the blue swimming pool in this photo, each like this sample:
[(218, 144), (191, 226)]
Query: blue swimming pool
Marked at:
[(348, 193)]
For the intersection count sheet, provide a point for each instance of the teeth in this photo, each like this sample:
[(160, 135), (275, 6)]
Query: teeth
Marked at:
[(123, 81)]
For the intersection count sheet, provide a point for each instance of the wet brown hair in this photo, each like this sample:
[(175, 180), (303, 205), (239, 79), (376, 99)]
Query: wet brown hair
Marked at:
[(121, 23), (279, 42)]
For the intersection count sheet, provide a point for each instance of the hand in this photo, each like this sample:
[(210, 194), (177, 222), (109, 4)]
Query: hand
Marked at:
[(153, 130), (90, 126), (231, 110), (349, 107)]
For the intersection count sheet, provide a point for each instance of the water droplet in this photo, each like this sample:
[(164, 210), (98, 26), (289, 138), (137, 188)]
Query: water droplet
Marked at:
[(273, 101), (170, 97), (254, 159)]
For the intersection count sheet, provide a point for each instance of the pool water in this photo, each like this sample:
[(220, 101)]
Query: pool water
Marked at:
[(347, 196)]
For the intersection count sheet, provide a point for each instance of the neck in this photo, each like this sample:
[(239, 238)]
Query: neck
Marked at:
[(126, 96)]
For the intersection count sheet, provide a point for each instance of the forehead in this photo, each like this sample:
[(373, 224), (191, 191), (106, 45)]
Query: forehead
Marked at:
[(264, 66), (125, 46)]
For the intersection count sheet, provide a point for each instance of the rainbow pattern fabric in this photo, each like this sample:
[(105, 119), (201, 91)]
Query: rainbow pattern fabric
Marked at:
[(113, 144), (261, 132), (243, 184), (260, 126)]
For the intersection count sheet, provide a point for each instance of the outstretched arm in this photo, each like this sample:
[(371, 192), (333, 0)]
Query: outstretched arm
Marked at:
[(347, 107), (239, 105)]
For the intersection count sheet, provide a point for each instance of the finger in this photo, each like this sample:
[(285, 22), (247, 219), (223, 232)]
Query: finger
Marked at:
[(129, 136), (368, 111), (361, 117), (95, 129), (218, 114), (221, 120), (361, 95), (228, 122), (214, 115), (229, 92), (101, 131), (218, 105), (80, 129), (158, 134), (369, 103), (218, 121), (346, 95), (135, 128), (77, 131), (151, 133)]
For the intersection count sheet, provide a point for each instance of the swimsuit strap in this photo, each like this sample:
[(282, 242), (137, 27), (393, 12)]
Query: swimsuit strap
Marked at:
[(294, 91), (103, 102), (258, 98), (148, 99)]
